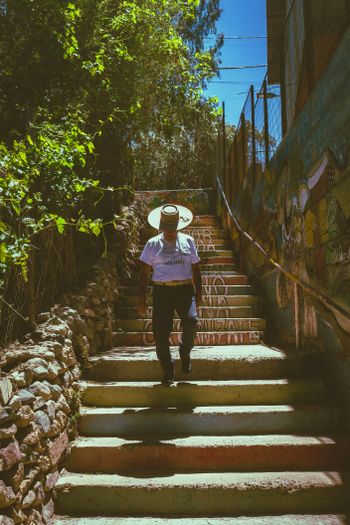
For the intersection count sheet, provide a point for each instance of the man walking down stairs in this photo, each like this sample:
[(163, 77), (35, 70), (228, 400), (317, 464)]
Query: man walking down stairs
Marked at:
[(250, 437)]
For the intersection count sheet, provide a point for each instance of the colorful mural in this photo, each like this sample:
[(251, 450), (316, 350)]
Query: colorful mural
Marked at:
[(299, 209)]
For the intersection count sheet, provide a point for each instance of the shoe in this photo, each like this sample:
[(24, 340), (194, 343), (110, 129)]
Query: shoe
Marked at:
[(169, 375), (167, 381), (186, 364)]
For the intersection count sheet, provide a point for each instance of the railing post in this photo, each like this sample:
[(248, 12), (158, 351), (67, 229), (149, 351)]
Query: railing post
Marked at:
[(266, 124)]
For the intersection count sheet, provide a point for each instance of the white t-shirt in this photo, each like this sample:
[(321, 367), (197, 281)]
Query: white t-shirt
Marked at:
[(170, 261)]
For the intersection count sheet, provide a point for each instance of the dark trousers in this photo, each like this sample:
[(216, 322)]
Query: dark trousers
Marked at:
[(166, 299)]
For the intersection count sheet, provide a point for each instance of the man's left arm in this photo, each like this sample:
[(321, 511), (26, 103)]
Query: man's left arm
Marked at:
[(197, 280)]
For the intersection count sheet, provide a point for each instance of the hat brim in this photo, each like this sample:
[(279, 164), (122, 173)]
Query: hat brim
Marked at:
[(185, 218)]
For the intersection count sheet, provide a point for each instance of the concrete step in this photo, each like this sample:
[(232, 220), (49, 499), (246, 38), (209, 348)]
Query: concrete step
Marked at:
[(203, 338), (203, 252), (222, 324), (218, 420), (209, 454), (215, 261), (208, 289), (286, 519), (209, 362), (206, 312), (224, 494), (197, 393), (204, 219), (218, 267), (208, 300), (208, 278), (205, 240)]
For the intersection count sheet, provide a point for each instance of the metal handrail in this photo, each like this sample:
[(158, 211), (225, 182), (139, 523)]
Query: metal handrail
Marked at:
[(326, 301)]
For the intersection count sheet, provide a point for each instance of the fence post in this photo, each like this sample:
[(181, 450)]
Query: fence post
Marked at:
[(283, 87), (224, 145), (244, 135), (30, 306), (266, 124), (252, 102)]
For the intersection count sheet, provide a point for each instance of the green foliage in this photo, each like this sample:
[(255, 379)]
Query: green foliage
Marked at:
[(97, 95)]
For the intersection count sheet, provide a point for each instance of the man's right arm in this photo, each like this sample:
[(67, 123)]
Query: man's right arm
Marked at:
[(145, 271)]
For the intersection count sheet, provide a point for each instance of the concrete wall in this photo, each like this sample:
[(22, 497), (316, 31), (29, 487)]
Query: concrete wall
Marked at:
[(300, 211)]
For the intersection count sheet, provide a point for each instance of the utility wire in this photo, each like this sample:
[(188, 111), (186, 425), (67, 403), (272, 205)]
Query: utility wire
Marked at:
[(240, 67), (236, 37)]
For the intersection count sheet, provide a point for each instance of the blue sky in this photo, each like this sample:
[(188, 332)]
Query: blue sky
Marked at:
[(240, 18)]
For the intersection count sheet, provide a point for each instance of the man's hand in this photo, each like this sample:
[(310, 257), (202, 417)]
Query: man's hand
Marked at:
[(145, 272), (142, 306), (199, 299), (197, 278)]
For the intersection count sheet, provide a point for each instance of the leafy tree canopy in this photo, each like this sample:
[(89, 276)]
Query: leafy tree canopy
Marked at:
[(94, 95)]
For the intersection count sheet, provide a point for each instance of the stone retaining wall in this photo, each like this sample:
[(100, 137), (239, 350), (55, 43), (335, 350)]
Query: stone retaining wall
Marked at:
[(39, 391)]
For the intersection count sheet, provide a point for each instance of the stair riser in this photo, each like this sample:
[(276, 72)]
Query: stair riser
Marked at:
[(175, 423), (203, 236), (217, 289), (200, 501), (208, 300), (163, 457), (207, 279), (147, 370), (202, 338), (218, 267), (205, 313), (200, 395), (205, 325)]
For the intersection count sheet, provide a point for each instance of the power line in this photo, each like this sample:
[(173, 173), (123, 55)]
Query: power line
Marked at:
[(237, 37), (235, 83), (241, 67)]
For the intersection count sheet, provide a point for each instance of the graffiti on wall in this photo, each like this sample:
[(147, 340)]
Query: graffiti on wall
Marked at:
[(302, 218)]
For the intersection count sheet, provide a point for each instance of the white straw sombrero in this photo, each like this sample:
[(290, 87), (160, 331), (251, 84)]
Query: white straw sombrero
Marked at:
[(170, 217)]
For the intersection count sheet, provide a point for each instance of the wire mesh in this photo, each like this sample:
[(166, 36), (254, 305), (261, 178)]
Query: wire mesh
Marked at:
[(260, 147), (274, 112), (248, 135)]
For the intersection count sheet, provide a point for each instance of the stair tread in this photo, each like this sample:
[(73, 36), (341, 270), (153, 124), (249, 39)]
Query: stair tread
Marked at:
[(203, 410), (286, 519), (264, 440), (258, 352), (236, 480), (210, 383)]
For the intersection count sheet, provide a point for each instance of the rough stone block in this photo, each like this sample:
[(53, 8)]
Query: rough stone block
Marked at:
[(8, 432), (43, 421), (11, 455), (58, 447), (7, 496), (5, 520), (25, 416), (26, 397), (6, 390)]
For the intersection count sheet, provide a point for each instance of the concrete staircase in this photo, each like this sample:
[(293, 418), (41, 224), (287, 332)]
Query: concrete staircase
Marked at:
[(250, 437)]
